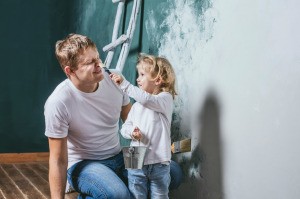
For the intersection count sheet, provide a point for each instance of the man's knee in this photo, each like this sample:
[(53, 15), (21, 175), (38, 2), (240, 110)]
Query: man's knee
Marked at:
[(176, 175)]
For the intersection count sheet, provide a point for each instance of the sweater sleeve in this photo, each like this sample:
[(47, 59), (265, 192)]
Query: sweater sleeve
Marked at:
[(162, 103)]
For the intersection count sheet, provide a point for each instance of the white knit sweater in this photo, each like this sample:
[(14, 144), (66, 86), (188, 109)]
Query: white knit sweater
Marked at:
[(152, 114)]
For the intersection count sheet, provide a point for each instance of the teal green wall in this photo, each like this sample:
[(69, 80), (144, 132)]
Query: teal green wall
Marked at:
[(29, 68)]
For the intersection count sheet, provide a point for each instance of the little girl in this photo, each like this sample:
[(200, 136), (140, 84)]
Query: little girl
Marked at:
[(148, 124)]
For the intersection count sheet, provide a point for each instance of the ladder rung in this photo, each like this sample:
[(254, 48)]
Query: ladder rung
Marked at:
[(116, 1), (114, 44)]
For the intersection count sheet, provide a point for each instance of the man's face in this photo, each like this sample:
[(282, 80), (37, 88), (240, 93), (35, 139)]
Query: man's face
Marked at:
[(89, 70)]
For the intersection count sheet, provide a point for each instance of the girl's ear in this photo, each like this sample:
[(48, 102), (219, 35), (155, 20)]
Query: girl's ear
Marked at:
[(158, 81)]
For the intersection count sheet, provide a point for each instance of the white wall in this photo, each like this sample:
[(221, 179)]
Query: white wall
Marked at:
[(238, 70)]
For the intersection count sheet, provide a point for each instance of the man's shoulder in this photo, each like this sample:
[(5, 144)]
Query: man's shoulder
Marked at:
[(109, 86), (60, 93)]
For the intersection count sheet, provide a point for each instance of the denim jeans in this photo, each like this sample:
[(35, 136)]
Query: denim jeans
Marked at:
[(99, 178), (108, 178), (176, 175), (153, 180)]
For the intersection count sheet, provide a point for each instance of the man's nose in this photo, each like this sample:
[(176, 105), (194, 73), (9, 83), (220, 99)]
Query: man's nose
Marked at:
[(98, 63)]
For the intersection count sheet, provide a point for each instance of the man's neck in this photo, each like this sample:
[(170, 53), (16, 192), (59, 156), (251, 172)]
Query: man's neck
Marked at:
[(86, 88)]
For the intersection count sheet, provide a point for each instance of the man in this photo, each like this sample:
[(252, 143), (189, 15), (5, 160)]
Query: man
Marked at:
[(82, 120)]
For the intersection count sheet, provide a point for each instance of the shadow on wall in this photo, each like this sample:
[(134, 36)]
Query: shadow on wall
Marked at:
[(205, 165)]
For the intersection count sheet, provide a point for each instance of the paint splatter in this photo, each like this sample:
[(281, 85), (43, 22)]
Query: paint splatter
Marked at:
[(188, 26), (187, 30)]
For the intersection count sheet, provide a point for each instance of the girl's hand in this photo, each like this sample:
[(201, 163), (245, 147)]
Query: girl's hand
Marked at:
[(118, 79), (136, 134)]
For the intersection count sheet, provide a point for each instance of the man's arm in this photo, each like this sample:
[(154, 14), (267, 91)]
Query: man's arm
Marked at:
[(124, 112), (58, 163)]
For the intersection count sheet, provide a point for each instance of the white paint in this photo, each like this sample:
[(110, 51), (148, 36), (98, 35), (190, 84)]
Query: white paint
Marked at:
[(251, 58)]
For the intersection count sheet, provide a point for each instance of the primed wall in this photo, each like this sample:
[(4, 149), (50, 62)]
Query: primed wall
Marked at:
[(237, 64)]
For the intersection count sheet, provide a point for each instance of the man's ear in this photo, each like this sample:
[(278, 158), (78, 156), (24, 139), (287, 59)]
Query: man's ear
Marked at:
[(68, 71), (158, 81)]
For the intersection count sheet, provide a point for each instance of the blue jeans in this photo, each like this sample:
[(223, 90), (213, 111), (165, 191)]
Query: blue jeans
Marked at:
[(153, 180), (176, 175), (108, 178), (99, 178)]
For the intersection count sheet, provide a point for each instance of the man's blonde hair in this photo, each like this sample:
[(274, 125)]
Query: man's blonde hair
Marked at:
[(68, 50), (159, 67)]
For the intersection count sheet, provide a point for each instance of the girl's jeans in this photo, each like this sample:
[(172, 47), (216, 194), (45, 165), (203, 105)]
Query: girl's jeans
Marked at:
[(108, 178), (153, 180)]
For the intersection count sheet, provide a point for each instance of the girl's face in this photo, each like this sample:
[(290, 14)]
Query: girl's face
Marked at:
[(145, 81)]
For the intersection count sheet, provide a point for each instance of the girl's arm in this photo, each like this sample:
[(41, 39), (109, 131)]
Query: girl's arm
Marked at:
[(162, 102)]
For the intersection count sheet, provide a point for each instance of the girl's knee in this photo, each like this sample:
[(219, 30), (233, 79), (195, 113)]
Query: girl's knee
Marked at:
[(119, 194)]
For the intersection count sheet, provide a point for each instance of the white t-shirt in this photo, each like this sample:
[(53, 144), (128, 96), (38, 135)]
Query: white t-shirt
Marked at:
[(152, 114), (90, 121)]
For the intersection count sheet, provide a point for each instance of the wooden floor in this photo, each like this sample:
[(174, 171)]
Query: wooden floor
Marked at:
[(26, 180), (25, 176)]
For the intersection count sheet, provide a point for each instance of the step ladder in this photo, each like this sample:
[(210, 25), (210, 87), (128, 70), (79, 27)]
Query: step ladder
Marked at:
[(124, 39)]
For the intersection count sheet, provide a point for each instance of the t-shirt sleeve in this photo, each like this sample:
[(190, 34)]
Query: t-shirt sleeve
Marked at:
[(56, 119), (126, 99), (127, 127)]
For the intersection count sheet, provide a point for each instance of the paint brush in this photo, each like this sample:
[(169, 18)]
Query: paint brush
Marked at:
[(181, 146), (102, 65), (106, 70)]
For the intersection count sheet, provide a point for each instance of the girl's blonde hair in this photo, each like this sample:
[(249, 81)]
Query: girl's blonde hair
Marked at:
[(159, 67)]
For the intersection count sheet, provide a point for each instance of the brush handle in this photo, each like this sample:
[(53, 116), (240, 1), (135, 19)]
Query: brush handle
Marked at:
[(106, 70)]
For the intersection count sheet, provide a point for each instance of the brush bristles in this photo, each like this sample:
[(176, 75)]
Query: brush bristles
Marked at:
[(185, 145), (181, 146)]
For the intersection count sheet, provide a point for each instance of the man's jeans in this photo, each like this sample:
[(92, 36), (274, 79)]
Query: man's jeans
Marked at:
[(99, 178), (153, 180), (108, 178)]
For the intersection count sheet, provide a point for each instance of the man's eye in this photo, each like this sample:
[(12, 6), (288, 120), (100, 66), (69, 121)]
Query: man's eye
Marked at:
[(97, 60)]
